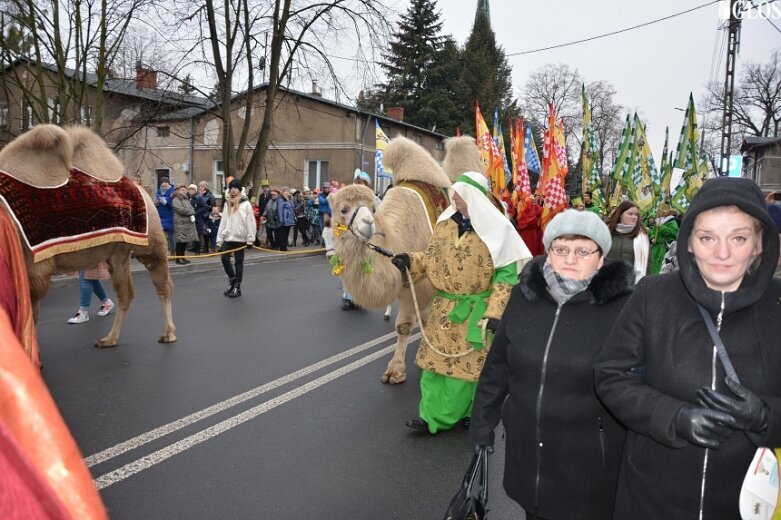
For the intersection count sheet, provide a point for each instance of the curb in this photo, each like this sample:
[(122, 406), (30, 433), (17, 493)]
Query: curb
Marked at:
[(203, 264)]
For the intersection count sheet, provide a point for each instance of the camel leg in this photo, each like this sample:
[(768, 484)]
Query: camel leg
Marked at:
[(164, 286), (386, 317), (396, 372), (119, 267)]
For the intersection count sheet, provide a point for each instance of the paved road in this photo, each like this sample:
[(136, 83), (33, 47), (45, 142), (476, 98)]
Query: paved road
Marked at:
[(268, 406)]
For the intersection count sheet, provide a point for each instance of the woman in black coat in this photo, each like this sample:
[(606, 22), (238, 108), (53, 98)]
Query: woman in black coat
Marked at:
[(563, 447), (692, 435)]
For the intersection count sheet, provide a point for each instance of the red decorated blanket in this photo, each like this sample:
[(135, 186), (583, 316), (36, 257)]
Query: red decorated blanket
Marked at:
[(82, 213)]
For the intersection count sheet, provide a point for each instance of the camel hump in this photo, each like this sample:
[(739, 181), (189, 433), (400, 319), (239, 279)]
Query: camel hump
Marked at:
[(40, 157), (91, 154), (411, 162), (461, 156)]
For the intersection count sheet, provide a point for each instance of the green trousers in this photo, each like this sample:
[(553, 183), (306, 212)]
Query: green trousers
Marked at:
[(444, 401)]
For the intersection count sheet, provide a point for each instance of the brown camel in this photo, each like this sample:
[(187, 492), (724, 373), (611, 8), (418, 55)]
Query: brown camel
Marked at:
[(43, 157), (400, 224)]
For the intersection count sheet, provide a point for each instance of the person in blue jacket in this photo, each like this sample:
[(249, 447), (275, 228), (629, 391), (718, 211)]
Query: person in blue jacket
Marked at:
[(163, 199), (323, 207), (286, 217)]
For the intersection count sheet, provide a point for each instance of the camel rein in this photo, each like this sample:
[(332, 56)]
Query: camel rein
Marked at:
[(424, 338)]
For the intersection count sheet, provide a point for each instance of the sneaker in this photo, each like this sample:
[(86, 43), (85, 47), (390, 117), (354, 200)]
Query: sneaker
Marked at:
[(80, 317), (106, 308)]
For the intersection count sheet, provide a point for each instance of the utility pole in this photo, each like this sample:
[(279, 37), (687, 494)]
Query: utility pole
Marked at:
[(733, 42)]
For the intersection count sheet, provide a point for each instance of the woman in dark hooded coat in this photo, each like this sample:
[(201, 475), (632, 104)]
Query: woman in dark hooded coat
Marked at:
[(692, 435), (563, 447)]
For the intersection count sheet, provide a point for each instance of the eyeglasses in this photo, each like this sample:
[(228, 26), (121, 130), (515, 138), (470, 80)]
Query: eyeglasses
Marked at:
[(580, 252)]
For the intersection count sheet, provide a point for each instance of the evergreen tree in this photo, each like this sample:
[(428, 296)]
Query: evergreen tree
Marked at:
[(437, 107), (486, 76), (412, 54)]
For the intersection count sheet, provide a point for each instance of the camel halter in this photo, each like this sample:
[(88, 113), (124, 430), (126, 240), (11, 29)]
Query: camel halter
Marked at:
[(424, 338)]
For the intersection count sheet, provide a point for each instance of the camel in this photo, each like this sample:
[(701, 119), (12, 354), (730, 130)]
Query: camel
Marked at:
[(400, 225), (44, 157)]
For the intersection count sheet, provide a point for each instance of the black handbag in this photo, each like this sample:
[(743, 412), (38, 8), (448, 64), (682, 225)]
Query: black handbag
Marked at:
[(471, 501)]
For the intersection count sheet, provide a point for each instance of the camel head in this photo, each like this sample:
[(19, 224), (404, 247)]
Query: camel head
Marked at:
[(462, 155), (353, 210)]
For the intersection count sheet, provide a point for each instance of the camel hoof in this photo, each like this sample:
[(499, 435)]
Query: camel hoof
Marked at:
[(105, 343), (386, 317), (394, 378), (166, 339)]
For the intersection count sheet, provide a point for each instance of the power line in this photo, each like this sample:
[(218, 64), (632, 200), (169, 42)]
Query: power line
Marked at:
[(774, 25), (612, 33)]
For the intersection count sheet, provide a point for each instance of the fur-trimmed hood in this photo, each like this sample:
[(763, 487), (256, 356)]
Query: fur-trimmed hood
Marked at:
[(613, 280)]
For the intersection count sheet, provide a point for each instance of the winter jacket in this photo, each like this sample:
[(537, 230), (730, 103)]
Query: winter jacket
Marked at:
[(285, 212), (323, 207), (164, 198), (563, 447), (202, 204), (184, 227), (238, 226), (659, 354)]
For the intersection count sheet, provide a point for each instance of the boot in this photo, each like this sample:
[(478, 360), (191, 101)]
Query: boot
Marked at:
[(236, 291), (230, 287)]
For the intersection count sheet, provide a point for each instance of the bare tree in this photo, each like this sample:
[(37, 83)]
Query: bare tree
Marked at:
[(606, 117), (73, 38), (756, 107), (559, 85)]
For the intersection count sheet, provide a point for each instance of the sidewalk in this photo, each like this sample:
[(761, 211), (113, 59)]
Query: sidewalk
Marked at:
[(199, 262)]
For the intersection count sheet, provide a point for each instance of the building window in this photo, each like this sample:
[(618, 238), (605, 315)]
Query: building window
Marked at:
[(26, 121), (315, 174), (55, 115), (85, 114), (163, 131), (163, 172), (218, 183), (440, 145), (3, 116)]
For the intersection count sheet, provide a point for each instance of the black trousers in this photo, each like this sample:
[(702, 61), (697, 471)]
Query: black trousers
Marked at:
[(180, 248), (302, 224), (283, 232), (237, 274), (272, 235)]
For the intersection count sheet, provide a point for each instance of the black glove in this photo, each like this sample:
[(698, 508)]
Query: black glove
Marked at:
[(492, 324), (703, 426), (489, 448), (748, 409), (401, 261)]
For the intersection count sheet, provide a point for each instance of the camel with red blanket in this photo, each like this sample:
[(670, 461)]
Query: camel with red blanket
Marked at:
[(73, 208)]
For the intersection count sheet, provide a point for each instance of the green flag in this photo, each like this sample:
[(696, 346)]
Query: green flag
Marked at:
[(589, 157), (620, 162), (666, 169), (687, 157), (640, 181)]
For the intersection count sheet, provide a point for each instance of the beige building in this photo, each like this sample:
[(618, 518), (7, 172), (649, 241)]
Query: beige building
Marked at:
[(762, 161), (313, 141), (160, 133)]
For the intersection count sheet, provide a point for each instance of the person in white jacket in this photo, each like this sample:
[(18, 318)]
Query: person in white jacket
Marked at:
[(237, 230)]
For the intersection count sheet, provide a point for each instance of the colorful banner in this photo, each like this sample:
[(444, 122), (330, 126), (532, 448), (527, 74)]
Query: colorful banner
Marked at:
[(489, 154), (380, 143), (589, 158)]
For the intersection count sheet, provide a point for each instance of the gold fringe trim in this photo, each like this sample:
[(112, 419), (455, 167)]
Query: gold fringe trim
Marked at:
[(80, 245)]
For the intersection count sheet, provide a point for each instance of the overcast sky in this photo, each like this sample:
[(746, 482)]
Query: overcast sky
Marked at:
[(653, 68)]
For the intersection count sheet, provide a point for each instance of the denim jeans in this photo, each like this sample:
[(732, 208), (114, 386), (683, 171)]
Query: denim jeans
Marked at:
[(87, 287)]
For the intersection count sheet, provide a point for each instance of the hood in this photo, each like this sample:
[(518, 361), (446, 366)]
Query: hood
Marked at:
[(614, 279), (746, 196)]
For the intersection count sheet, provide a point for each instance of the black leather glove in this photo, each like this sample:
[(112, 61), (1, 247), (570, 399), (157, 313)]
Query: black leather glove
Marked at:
[(489, 448), (492, 324), (401, 261), (748, 409), (703, 426)]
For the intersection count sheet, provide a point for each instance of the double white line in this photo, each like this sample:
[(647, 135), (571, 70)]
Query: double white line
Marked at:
[(158, 456)]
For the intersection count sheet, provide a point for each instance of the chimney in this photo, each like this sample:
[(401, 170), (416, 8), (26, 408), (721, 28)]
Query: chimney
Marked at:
[(145, 78), (315, 91), (395, 113)]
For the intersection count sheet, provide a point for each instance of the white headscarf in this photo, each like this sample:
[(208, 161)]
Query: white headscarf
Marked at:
[(494, 229)]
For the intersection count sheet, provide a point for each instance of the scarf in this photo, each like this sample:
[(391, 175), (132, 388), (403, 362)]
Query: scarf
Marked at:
[(642, 248), (624, 228), (561, 287)]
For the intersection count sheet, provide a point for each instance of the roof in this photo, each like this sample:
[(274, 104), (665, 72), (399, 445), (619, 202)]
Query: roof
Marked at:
[(196, 111), (751, 143)]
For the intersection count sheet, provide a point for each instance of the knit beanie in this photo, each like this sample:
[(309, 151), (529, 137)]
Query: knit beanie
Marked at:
[(573, 222), (235, 183)]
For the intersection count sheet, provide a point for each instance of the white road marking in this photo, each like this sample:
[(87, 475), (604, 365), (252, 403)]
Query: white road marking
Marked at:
[(159, 456), (140, 440)]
